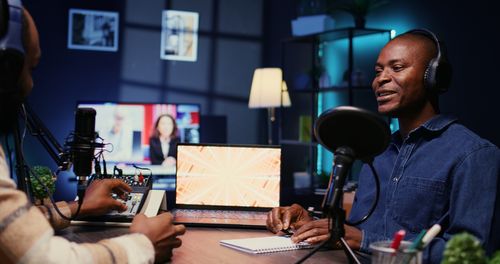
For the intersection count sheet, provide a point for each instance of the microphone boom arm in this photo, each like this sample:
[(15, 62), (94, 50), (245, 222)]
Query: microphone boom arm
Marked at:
[(46, 139)]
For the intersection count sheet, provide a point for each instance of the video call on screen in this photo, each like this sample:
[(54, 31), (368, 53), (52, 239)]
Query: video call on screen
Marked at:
[(129, 126)]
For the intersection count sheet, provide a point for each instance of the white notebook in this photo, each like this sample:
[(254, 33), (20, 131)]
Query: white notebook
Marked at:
[(260, 245)]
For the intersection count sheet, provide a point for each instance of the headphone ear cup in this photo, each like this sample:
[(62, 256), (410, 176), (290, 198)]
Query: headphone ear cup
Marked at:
[(11, 46), (11, 65), (430, 75), (443, 76)]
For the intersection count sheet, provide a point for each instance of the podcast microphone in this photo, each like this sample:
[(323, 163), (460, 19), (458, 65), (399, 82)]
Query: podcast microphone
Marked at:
[(82, 147), (359, 129), (350, 133)]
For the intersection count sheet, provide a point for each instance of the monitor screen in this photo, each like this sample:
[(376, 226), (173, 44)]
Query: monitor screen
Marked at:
[(228, 175), (130, 127)]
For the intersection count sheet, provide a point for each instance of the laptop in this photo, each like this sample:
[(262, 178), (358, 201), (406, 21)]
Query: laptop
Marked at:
[(226, 185)]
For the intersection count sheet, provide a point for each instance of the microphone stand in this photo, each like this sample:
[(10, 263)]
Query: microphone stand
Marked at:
[(53, 148), (23, 181), (47, 140), (332, 207), (45, 137)]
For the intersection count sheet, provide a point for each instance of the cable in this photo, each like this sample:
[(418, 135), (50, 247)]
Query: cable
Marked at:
[(9, 154), (37, 177), (375, 202), (312, 251), (31, 171), (144, 168)]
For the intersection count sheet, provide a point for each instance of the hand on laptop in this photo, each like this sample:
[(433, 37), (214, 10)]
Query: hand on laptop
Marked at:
[(98, 199), (161, 231), (282, 218)]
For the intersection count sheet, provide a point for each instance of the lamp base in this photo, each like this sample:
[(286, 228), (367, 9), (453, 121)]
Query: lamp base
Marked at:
[(271, 114)]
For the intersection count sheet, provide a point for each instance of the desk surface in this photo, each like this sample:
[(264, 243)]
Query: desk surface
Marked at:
[(201, 245)]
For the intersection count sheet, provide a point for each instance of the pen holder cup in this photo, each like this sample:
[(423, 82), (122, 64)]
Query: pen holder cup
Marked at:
[(382, 253)]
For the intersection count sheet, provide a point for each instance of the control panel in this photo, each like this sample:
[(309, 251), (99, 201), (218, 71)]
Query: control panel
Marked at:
[(140, 184)]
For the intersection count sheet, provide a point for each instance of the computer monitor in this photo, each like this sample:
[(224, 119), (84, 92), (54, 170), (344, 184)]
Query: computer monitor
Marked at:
[(129, 126)]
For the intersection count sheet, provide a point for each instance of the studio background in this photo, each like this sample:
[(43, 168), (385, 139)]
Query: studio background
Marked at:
[(235, 37)]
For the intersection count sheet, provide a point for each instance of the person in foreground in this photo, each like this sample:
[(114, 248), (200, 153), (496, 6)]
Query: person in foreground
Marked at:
[(434, 168), (27, 231)]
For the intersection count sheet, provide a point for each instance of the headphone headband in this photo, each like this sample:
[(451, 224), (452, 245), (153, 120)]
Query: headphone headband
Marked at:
[(13, 22), (430, 35), (11, 47), (437, 76)]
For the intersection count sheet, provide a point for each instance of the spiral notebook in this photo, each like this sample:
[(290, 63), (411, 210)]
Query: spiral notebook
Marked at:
[(260, 245)]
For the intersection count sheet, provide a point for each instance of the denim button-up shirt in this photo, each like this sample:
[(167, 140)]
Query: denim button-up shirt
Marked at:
[(440, 168)]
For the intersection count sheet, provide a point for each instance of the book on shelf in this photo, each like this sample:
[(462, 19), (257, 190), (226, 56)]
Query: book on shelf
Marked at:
[(305, 124)]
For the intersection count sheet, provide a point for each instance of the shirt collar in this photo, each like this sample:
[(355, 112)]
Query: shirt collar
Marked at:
[(435, 124)]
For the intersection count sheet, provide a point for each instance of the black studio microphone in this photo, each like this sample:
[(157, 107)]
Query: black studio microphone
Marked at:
[(350, 133), (82, 147)]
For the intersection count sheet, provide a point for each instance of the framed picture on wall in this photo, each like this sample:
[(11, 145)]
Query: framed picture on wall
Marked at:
[(93, 30), (179, 35)]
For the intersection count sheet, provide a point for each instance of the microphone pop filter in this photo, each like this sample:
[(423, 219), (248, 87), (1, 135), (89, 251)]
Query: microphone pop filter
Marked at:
[(346, 126)]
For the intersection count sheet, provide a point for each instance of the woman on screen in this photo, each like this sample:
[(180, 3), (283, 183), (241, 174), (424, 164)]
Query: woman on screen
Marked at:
[(163, 141)]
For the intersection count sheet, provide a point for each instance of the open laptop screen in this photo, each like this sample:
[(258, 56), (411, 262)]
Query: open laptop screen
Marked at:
[(228, 175)]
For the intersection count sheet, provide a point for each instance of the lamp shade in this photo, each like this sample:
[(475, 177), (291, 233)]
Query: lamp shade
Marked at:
[(268, 89), (286, 96)]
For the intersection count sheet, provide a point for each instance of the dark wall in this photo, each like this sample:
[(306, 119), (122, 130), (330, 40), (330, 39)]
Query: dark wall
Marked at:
[(64, 76), (229, 49), (222, 84)]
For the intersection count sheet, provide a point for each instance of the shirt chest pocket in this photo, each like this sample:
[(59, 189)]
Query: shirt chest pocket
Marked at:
[(418, 202)]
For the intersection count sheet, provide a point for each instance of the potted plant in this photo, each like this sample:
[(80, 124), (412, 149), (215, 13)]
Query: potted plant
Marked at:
[(359, 9), (463, 248), (45, 175)]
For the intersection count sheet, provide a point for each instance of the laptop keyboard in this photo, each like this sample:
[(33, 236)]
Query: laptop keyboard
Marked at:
[(219, 214)]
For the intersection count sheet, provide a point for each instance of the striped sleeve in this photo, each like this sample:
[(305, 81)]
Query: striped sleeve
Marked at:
[(26, 236)]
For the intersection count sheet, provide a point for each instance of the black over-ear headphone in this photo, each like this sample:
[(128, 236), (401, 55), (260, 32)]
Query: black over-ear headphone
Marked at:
[(11, 47), (437, 76)]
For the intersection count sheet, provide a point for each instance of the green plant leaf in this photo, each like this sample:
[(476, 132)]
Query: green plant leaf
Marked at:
[(463, 248), (45, 175)]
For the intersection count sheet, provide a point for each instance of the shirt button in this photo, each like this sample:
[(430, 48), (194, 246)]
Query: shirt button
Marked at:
[(395, 179)]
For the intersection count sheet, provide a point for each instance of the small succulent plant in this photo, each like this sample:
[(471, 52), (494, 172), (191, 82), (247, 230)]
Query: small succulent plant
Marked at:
[(464, 248), (45, 175)]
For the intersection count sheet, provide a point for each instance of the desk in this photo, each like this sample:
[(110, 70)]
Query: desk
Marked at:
[(201, 245)]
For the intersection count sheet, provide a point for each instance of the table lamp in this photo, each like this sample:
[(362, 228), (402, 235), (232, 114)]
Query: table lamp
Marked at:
[(269, 91)]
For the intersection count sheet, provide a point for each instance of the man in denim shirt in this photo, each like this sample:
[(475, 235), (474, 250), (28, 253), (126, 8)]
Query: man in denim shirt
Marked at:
[(434, 169)]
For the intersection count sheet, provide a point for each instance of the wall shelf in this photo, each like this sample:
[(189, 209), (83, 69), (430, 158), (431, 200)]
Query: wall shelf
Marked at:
[(305, 100)]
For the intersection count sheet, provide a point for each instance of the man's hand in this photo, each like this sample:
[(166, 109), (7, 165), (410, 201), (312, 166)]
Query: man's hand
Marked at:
[(312, 232), (317, 231), (98, 199), (162, 233), (282, 218), (353, 237)]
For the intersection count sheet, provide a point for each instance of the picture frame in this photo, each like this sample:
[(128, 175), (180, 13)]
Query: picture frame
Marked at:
[(93, 30), (179, 35)]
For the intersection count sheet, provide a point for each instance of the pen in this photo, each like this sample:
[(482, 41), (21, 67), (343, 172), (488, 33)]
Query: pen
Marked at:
[(398, 236), (418, 241), (433, 231), (288, 232)]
